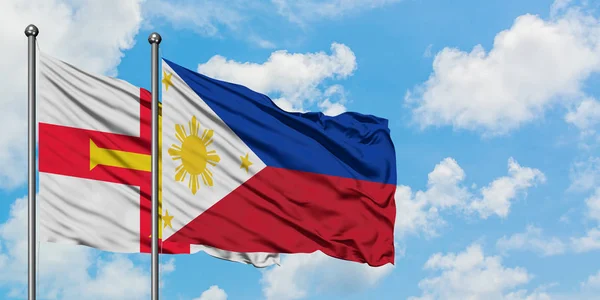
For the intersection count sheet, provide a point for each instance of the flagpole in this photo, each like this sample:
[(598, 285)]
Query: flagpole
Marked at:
[(31, 32), (154, 39)]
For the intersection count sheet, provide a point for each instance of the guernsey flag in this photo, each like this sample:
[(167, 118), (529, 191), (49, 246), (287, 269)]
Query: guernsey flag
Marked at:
[(94, 166), (242, 175)]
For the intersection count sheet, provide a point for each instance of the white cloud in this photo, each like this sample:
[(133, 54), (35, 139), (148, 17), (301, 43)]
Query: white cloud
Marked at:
[(588, 290), (302, 274), (310, 10), (585, 175), (496, 196), (559, 6), (287, 105), (443, 185), (202, 16), (331, 109), (532, 66), (427, 52), (417, 215), (295, 78), (566, 217), (446, 190), (115, 279), (593, 205), (262, 43), (73, 31), (213, 293), (533, 240), (586, 115), (335, 99), (240, 18), (592, 283), (67, 271), (420, 212), (524, 295), (168, 267), (487, 278), (589, 242)]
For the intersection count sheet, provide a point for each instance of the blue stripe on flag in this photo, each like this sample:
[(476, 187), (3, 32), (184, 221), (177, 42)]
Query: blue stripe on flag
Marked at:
[(350, 145)]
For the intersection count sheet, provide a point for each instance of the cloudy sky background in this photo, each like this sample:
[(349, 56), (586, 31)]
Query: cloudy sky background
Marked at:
[(493, 108)]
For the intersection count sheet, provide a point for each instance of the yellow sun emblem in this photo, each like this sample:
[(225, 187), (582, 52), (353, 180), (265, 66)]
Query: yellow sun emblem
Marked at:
[(194, 155)]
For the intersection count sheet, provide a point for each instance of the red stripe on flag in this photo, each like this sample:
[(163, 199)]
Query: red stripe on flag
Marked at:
[(146, 188), (286, 211), (66, 151)]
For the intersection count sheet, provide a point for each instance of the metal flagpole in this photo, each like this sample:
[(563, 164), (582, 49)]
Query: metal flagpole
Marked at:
[(31, 32), (154, 39)]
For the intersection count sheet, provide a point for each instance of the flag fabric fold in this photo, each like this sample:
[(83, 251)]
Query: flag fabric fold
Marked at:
[(94, 166), (241, 174)]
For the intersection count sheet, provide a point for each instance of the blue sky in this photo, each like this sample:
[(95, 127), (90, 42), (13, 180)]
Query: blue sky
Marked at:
[(493, 110)]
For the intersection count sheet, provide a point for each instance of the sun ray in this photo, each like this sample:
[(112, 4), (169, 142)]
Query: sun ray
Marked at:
[(175, 152), (208, 177), (194, 184), (180, 133), (194, 155), (181, 173), (194, 126), (212, 158), (207, 137)]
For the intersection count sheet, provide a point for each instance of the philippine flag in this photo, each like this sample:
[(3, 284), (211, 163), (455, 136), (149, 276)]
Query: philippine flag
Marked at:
[(240, 174)]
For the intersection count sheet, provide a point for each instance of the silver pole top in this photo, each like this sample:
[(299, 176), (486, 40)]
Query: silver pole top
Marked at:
[(154, 38), (32, 30)]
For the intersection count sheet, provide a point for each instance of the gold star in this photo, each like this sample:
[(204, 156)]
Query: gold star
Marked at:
[(167, 220), (167, 80), (245, 162)]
